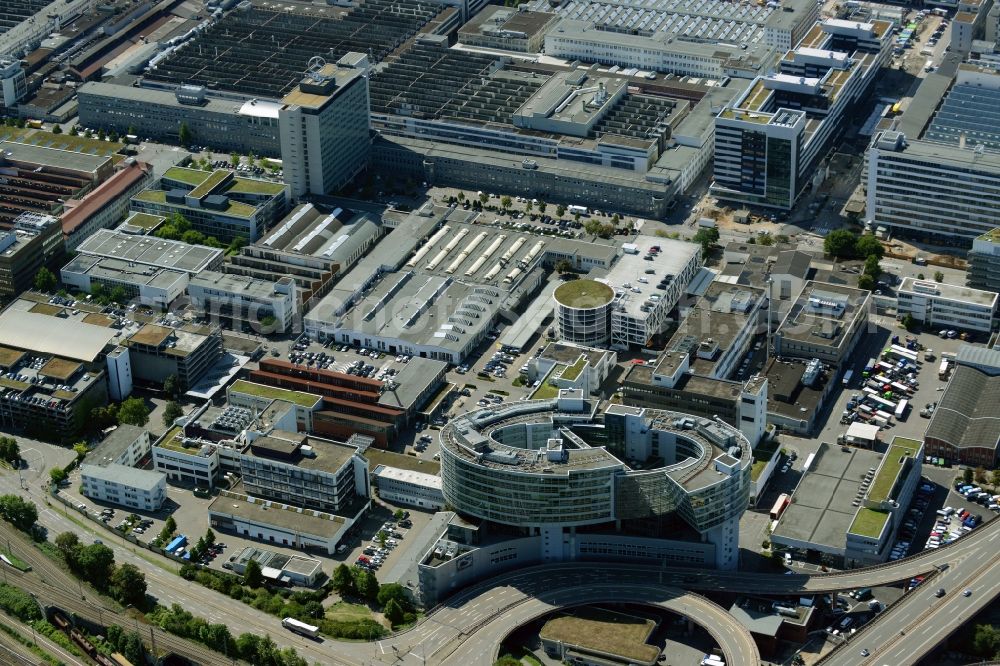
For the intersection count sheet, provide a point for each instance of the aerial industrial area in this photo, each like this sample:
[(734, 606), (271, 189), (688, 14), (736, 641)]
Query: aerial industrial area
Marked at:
[(449, 332)]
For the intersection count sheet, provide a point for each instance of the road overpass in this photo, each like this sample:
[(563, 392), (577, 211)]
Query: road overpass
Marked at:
[(452, 630)]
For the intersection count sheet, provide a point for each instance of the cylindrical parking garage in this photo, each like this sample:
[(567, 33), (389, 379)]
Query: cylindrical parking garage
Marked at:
[(583, 312)]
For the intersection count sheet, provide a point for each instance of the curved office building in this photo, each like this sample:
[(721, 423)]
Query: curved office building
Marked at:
[(583, 312), (524, 467)]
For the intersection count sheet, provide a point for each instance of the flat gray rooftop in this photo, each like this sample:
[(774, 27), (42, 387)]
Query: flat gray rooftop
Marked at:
[(151, 250), (45, 334), (822, 507)]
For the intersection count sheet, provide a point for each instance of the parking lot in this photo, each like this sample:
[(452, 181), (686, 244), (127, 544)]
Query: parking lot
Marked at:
[(924, 527)]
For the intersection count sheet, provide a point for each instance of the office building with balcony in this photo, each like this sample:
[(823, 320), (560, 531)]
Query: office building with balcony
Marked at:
[(984, 262), (158, 352), (149, 285), (937, 304), (306, 471), (269, 307), (770, 139), (34, 241), (825, 322), (701, 370), (541, 481), (216, 203)]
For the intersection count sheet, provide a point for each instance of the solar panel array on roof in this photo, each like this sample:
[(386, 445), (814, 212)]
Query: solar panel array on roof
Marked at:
[(969, 110)]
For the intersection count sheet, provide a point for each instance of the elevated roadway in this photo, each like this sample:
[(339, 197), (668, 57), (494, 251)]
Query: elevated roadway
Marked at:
[(469, 626)]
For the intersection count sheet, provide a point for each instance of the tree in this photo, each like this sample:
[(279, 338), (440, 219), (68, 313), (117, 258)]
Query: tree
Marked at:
[(986, 640), (393, 592), (193, 237), (995, 478), (866, 282), (133, 412), (868, 245), (236, 245), (765, 238), (938, 276), (44, 280), (114, 136), (80, 449), (980, 475), (101, 135), (131, 648), (365, 584), (343, 581), (58, 475), (19, 512), (393, 612), (96, 563), (57, 129), (381, 536), (505, 202), (461, 196), (967, 475), (212, 241), (234, 159), (87, 134), (10, 451), (118, 295), (527, 207), (920, 276), (706, 237), (184, 135), (128, 585), (172, 387), (542, 206), (253, 577), (840, 243), (560, 210), (170, 524), (74, 131), (68, 544), (564, 266), (872, 267)]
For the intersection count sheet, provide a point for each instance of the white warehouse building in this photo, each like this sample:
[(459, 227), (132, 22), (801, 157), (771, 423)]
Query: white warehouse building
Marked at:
[(403, 486), (125, 486)]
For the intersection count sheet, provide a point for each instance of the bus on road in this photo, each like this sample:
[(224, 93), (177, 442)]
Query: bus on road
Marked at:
[(292, 624)]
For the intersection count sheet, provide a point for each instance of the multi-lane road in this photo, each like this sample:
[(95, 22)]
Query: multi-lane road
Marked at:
[(469, 627)]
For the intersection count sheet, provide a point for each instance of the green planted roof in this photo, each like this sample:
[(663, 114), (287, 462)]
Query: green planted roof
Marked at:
[(274, 393), (892, 462), (193, 177), (869, 522)]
